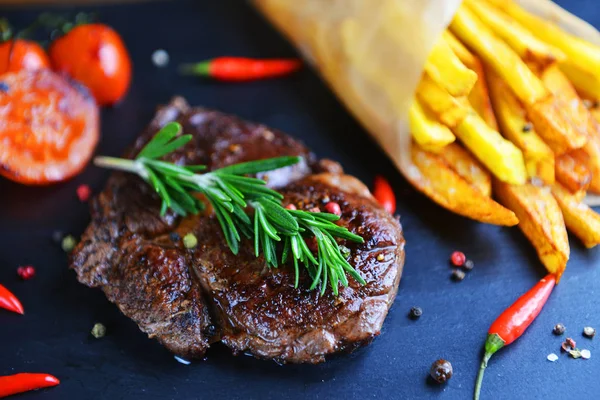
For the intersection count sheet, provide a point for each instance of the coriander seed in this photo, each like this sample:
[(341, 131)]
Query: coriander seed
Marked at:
[(589, 332), (99, 330), (190, 241)]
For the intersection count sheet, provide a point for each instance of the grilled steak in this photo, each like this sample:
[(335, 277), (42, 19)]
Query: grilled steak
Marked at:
[(190, 298)]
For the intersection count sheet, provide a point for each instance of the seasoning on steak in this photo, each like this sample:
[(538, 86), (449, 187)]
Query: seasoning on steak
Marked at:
[(190, 298)]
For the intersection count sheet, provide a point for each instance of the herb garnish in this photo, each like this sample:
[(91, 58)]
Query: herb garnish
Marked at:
[(232, 194)]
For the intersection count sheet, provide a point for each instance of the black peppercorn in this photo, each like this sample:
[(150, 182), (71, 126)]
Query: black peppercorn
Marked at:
[(415, 313), (527, 127), (458, 275), (559, 329), (469, 265), (3, 87), (174, 236), (441, 371)]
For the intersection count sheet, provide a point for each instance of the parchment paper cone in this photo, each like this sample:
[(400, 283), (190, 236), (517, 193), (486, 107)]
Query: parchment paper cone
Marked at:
[(372, 53)]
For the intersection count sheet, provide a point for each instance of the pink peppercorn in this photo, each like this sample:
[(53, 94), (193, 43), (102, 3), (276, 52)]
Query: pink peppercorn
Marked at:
[(290, 207), (26, 272), (333, 208), (458, 258), (83, 192)]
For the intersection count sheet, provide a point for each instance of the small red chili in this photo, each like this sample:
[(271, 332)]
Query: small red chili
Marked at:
[(383, 193), (83, 193), (290, 207), (511, 324), (333, 208), (458, 258), (239, 69), (26, 272), (10, 302), (19, 383)]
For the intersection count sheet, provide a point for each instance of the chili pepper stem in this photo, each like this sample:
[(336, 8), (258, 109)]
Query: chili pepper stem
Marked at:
[(493, 343), (200, 69)]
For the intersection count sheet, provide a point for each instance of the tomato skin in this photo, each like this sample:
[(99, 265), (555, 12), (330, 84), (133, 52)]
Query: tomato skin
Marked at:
[(19, 54), (95, 55), (49, 128)]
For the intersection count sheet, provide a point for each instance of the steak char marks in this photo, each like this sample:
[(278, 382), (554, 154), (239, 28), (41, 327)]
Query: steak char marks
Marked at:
[(190, 298)]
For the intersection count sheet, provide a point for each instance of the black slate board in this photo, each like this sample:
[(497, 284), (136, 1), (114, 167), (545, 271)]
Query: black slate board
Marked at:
[(54, 336)]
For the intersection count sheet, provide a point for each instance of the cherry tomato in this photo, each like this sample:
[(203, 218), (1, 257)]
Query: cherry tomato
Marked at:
[(383, 193), (49, 127), (95, 55), (19, 54)]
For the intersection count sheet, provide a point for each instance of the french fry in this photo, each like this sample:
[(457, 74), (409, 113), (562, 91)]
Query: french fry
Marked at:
[(552, 121), (446, 69), (469, 168), (579, 218), (479, 96), (541, 221), (580, 53), (586, 83), (449, 110), (433, 177), (524, 43), (494, 52), (464, 54), (572, 172), (539, 158), (426, 130), (499, 155), (558, 84)]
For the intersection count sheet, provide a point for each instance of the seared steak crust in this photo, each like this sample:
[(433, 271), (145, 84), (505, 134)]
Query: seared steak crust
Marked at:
[(188, 299)]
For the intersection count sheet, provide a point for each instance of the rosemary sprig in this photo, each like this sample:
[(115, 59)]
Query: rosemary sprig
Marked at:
[(233, 195)]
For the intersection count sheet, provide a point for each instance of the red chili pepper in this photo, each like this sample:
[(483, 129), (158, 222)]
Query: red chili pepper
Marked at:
[(19, 383), (383, 193), (239, 69), (511, 324), (10, 301)]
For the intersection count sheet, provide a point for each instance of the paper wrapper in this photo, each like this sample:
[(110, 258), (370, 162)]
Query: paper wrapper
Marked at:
[(372, 53)]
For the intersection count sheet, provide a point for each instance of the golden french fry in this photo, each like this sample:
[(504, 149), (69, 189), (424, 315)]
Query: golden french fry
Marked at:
[(479, 96), (572, 172), (464, 54), (579, 218), (494, 52), (580, 53), (582, 118), (539, 158), (446, 69), (552, 121), (586, 83), (541, 221), (449, 110), (499, 155), (523, 42), (426, 130), (433, 177), (469, 168)]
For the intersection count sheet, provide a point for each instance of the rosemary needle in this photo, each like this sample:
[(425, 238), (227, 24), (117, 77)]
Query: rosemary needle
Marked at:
[(278, 233)]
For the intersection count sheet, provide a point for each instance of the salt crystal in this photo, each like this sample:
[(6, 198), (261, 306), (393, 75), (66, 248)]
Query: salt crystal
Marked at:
[(552, 357), (585, 354), (160, 58), (182, 360)]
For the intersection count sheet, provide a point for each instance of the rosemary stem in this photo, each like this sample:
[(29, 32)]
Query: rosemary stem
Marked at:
[(121, 164)]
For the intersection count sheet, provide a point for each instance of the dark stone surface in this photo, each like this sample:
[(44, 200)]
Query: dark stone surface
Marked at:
[(54, 335)]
